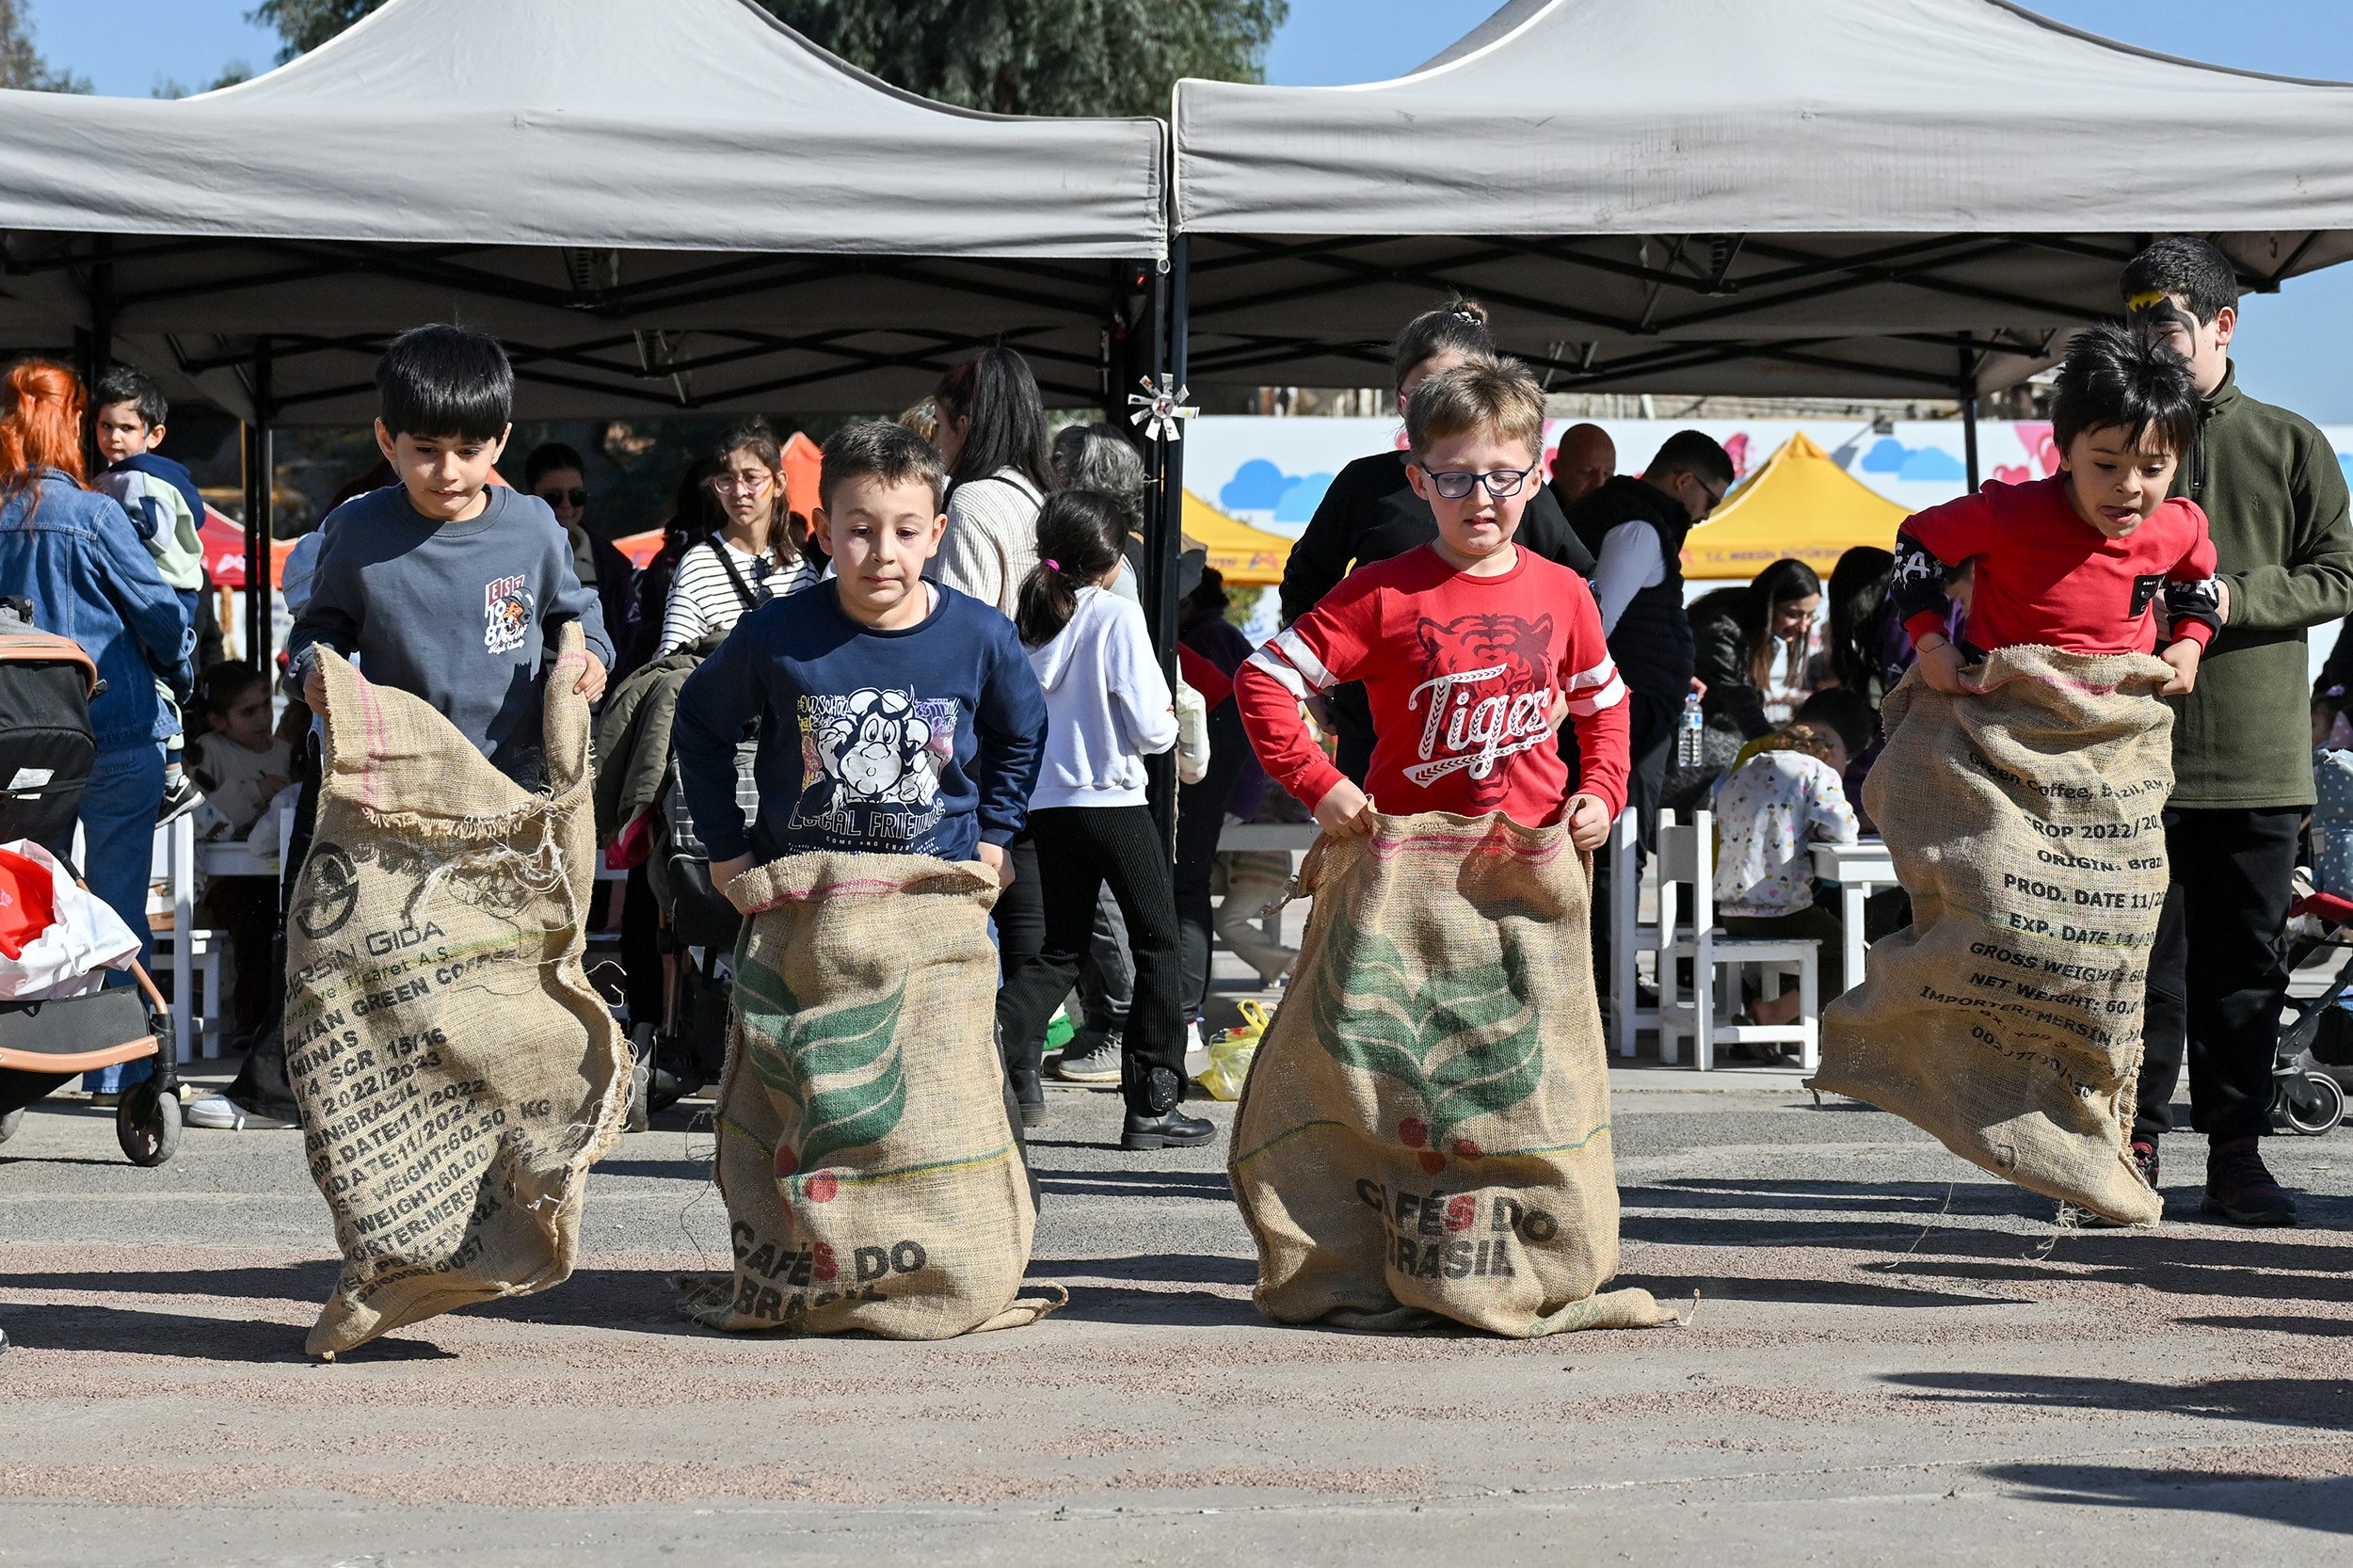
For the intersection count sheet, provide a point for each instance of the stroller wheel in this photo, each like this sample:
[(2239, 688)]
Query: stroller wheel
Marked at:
[(147, 1124), (2308, 1103), (10, 1122)]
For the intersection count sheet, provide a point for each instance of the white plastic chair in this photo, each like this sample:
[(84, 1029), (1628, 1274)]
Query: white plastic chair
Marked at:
[(1687, 856), (207, 1007), (1629, 936)]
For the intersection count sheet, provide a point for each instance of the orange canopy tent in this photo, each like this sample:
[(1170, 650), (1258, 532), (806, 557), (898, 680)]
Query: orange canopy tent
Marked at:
[(1800, 503)]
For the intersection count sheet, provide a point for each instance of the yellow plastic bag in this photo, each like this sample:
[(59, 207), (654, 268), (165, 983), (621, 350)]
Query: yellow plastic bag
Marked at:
[(1230, 1053)]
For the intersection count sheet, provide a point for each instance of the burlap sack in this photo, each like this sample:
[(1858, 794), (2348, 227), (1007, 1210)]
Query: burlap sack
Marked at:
[(456, 1073), (870, 1173), (2026, 822), (1425, 1131)]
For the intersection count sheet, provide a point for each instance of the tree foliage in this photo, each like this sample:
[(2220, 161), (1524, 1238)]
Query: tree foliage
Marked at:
[(21, 65), (1012, 57)]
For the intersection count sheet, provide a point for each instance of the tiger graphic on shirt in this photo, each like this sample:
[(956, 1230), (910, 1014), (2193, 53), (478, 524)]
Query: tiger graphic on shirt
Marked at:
[(1488, 692)]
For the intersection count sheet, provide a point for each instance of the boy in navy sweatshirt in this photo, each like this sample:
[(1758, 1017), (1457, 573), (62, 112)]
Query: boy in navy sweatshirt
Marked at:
[(895, 715), (446, 585)]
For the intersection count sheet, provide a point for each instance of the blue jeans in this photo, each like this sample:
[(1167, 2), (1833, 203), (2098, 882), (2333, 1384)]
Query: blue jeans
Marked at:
[(126, 788)]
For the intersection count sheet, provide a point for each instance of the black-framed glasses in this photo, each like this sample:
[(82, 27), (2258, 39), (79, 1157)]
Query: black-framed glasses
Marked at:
[(1715, 496), (1454, 484), (565, 498)]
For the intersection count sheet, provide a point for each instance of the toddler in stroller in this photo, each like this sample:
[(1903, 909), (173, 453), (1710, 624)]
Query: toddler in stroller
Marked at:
[(55, 938)]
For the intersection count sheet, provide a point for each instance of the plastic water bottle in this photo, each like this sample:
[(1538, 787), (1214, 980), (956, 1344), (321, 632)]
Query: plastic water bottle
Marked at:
[(1691, 738)]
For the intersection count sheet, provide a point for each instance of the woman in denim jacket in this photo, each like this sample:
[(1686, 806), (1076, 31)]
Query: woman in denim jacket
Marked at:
[(73, 553)]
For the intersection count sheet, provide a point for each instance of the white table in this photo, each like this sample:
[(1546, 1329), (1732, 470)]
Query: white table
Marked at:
[(1859, 869)]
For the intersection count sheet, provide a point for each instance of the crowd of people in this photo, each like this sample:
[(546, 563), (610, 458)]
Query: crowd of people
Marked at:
[(948, 657)]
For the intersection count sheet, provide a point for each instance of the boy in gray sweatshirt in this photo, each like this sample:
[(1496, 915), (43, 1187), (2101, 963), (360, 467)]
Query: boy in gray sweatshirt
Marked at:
[(446, 585)]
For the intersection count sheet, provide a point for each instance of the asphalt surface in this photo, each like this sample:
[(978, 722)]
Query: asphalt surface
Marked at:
[(1890, 1353)]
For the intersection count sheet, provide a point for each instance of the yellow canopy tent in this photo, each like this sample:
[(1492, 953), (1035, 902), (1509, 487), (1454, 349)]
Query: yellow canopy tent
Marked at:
[(1246, 557), (1799, 504)]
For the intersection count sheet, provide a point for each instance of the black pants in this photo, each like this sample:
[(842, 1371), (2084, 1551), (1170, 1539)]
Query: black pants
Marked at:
[(1649, 745), (261, 1086), (641, 950), (1200, 818), (1079, 850), (2218, 974)]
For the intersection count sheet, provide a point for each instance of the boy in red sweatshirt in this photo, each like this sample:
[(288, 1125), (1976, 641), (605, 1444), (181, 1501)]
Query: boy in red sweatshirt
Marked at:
[(1471, 649), (2094, 559)]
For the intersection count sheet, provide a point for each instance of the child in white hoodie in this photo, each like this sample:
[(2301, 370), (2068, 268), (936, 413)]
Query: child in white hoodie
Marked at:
[(1107, 707)]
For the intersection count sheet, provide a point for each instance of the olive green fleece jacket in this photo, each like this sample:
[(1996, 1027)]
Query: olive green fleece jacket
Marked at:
[(2275, 501)]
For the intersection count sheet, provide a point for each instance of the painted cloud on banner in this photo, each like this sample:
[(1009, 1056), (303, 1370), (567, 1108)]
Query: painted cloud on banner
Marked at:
[(1891, 457), (1260, 486)]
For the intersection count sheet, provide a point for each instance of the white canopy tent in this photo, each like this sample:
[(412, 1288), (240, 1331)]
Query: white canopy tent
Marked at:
[(658, 208), (1778, 196)]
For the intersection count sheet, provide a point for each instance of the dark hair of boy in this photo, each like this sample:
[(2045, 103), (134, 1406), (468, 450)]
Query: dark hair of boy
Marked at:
[(550, 458), (1847, 712), (446, 381), (122, 384), (1692, 452), (2193, 270), (221, 685), (2121, 379), (877, 449), (1078, 536), (1458, 327), (995, 392)]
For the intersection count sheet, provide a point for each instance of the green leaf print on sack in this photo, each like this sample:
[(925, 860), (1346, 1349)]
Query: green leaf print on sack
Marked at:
[(1467, 1043), (842, 1067)]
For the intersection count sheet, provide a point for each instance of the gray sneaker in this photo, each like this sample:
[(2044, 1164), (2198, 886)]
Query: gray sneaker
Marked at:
[(1099, 1063)]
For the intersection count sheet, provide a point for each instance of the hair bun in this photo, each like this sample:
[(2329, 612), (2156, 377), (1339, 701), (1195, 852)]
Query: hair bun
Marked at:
[(1471, 311)]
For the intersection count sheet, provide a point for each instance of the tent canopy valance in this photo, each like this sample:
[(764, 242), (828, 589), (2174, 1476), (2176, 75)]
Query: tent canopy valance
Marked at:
[(683, 206), (1898, 198)]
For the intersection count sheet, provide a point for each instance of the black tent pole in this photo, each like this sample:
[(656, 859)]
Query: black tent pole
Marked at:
[(260, 471), (1968, 415), (1166, 541)]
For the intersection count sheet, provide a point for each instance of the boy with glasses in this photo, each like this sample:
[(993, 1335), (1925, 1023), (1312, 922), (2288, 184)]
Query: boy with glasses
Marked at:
[(1471, 649)]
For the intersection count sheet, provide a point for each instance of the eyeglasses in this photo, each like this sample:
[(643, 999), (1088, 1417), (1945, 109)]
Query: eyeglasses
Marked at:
[(565, 498), (1715, 497), (1454, 484), (749, 481)]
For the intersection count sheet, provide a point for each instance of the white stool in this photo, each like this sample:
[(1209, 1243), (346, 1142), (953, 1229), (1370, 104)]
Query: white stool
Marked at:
[(204, 1026), (1628, 936), (1687, 855)]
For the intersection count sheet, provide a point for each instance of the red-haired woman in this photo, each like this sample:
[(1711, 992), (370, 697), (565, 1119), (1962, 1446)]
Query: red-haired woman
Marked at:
[(73, 554)]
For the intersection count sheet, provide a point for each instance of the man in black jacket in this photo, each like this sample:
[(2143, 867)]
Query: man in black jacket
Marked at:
[(1635, 529)]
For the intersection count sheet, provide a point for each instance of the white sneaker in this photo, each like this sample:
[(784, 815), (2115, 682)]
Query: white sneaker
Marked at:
[(223, 1114)]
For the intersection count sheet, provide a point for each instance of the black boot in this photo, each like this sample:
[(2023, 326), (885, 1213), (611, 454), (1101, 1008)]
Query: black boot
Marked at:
[(2242, 1189), (1029, 1093), (1156, 1116)]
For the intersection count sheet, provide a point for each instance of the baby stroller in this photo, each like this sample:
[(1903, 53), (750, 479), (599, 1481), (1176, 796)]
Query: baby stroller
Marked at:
[(45, 755), (689, 1048), (2314, 1063)]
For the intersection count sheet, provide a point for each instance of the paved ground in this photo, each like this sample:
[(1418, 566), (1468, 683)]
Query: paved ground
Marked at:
[(1891, 1355)]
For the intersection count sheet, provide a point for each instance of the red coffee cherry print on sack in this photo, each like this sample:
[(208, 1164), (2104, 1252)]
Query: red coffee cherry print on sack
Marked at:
[(1466, 1150), (822, 1267), (787, 1161), (1460, 1210), (1412, 1132), (822, 1186), (1433, 1161)]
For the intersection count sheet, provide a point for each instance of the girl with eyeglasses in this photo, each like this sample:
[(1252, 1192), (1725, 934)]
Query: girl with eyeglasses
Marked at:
[(753, 559), (1371, 512)]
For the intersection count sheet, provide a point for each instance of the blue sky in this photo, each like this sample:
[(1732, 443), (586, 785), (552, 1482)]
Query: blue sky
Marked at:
[(2292, 346)]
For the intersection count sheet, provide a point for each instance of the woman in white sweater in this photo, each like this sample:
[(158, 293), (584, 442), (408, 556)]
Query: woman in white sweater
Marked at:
[(992, 435), (1108, 707)]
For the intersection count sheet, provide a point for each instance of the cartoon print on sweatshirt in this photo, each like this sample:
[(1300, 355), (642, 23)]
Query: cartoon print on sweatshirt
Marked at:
[(506, 607), (872, 763), (1488, 695)]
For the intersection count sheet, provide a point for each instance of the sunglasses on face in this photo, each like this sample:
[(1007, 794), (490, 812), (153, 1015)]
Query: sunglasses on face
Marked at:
[(1454, 484), (565, 498)]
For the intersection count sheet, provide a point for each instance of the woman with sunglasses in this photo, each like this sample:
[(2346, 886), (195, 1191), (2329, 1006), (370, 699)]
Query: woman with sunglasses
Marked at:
[(1371, 513), (556, 475), (753, 559)]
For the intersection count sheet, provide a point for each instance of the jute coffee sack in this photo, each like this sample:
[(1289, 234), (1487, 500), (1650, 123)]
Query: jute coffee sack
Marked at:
[(870, 1173), (455, 1072), (2025, 820), (1425, 1133)]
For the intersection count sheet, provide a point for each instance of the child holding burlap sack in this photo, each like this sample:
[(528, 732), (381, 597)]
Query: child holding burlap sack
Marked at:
[(2020, 792), (1425, 1131)]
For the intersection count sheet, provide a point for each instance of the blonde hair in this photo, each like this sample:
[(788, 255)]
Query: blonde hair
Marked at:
[(1486, 395)]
